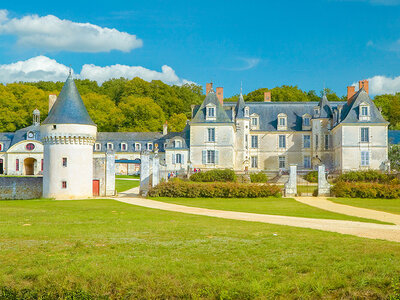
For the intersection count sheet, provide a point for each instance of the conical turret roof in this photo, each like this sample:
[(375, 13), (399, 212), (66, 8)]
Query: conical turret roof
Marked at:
[(69, 107), (240, 106), (325, 107)]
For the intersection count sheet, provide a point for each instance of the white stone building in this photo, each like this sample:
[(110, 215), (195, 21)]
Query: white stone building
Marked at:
[(259, 136)]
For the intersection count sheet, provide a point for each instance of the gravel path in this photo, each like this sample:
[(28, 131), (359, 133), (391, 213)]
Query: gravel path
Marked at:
[(325, 204), (367, 230)]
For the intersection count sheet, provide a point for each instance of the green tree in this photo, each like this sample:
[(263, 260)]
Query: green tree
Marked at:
[(141, 114), (394, 157), (256, 96), (288, 93), (177, 122), (114, 88), (312, 96), (330, 95)]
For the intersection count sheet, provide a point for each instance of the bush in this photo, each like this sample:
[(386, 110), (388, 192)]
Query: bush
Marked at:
[(258, 177), (179, 189), (214, 176), (368, 176), (366, 190), (312, 176)]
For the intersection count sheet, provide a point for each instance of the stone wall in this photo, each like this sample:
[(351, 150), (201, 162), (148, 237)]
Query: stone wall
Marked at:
[(21, 188)]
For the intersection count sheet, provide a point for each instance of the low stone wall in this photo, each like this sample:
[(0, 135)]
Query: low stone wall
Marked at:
[(13, 188)]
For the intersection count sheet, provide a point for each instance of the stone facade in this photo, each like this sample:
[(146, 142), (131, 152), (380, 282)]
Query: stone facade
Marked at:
[(21, 188)]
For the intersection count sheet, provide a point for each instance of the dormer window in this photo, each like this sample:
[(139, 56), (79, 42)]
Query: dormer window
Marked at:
[(150, 146), (97, 146), (178, 144), (124, 146), (211, 112), (316, 111), (364, 112), (137, 147), (254, 121), (306, 122), (110, 146), (282, 122), (246, 111)]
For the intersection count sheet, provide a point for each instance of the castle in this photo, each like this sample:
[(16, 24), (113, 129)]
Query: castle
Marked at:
[(244, 136)]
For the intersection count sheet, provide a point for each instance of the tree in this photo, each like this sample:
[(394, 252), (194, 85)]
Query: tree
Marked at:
[(312, 96), (288, 93), (141, 114), (394, 157), (330, 95), (177, 122), (114, 88), (256, 96)]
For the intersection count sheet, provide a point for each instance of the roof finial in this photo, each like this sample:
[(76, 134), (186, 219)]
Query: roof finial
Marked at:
[(70, 70), (241, 87), (324, 91)]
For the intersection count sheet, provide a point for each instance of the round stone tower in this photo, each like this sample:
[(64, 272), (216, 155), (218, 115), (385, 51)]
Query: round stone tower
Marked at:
[(68, 135)]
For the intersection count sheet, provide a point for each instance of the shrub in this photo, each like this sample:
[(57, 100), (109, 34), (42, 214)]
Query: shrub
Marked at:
[(366, 190), (312, 176), (214, 176), (258, 177), (183, 189), (368, 176)]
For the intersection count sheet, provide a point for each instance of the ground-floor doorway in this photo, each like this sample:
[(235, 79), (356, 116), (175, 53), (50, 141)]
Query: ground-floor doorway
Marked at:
[(29, 166)]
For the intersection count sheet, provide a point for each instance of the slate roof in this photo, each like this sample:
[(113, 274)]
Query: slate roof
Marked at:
[(240, 105), (394, 136), (130, 138), (6, 139), (350, 113), (220, 114), (325, 108), (168, 139), (69, 107)]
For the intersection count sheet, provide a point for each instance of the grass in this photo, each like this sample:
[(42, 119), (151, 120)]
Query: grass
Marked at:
[(304, 189), (128, 176), (124, 185), (104, 248), (387, 205), (271, 206)]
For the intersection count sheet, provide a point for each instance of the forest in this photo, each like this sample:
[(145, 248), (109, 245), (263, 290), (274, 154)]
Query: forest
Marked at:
[(138, 105)]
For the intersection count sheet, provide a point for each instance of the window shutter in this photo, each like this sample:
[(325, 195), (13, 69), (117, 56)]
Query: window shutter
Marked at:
[(215, 134), (216, 157), (204, 161), (183, 158), (173, 158)]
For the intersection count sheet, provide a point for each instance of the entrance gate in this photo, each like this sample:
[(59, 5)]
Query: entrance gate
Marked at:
[(304, 187)]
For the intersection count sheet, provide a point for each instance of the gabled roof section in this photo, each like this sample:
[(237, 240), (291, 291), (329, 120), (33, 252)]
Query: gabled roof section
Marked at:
[(220, 114), (240, 105), (69, 107), (325, 108), (350, 113)]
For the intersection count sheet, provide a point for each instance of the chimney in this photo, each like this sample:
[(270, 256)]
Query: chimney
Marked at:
[(267, 96), (208, 88), (165, 128), (363, 84), (220, 95), (52, 100), (351, 90)]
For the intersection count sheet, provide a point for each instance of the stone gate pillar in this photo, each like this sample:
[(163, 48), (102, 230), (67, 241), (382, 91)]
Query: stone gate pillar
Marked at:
[(291, 184), (110, 173), (324, 188), (156, 170), (144, 172)]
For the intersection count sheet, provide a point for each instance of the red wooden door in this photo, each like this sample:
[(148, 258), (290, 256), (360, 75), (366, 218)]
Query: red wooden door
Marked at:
[(96, 187)]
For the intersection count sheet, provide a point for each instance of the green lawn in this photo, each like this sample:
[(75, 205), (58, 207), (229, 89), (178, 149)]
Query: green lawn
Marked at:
[(107, 248), (271, 206), (123, 185), (387, 205), (128, 176)]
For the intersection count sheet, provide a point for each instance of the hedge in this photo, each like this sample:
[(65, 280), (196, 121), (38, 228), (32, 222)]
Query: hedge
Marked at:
[(365, 190), (214, 176), (179, 189), (368, 176), (258, 177), (311, 176)]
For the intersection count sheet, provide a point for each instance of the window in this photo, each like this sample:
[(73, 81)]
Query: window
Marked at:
[(246, 111), (30, 146), (254, 141), (307, 162), (364, 135), (178, 144), (254, 162), (282, 122), (63, 184), (316, 141), (211, 134), (282, 162), (138, 147), (326, 142), (178, 158), (1, 147), (64, 162), (124, 146), (97, 146), (306, 121), (364, 111), (150, 146), (41, 165), (17, 165), (316, 111), (54, 127), (211, 156), (307, 141), (211, 112), (364, 158), (254, 121), (110, 146), (282, 141)]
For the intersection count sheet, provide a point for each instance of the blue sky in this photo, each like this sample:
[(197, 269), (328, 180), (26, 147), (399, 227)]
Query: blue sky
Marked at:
[(262, 43)]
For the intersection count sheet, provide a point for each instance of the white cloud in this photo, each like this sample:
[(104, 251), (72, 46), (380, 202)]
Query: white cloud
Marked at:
[(383, 85), (46, 69), (50, 33), (249, 63)]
